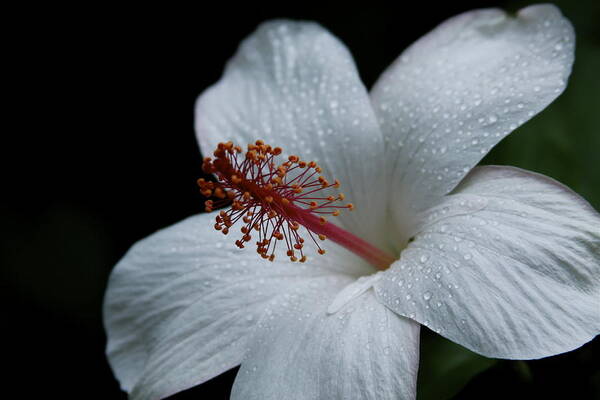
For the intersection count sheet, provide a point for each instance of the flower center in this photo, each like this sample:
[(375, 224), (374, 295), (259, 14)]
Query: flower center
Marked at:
[(275, 199)]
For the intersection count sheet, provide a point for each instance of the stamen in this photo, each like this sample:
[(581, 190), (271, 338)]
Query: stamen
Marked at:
[(274, 200)]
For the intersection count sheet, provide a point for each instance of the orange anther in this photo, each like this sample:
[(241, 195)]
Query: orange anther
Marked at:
[(313, 205), (219, 193), (350, 206), (341, 196), (322, 237), (303, 259), (322, 220), (335, 213), (321, 251), (276, 151)]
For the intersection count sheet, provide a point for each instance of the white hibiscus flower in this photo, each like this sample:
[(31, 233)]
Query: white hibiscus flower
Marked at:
[(502, 261)]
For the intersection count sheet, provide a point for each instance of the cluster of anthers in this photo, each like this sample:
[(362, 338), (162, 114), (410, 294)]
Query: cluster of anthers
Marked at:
[(272, 199)]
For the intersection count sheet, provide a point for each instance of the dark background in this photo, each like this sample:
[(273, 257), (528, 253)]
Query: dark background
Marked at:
[(104, 154)]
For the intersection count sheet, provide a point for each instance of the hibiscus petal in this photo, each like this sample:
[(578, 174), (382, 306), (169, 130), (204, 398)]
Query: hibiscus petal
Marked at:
[(455, 93), (364, 351), (507, 266), (294, 85), (181, 304)]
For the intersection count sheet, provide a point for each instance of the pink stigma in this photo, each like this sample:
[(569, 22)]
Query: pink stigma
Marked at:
[(273, 200)]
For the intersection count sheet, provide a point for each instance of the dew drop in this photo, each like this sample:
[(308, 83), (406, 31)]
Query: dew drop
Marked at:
[(427, 295)]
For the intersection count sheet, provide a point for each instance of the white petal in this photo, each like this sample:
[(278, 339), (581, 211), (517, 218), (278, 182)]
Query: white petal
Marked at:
[(507, 266), (301, 352), (455, 93), (181, 304), (294, 85), (353, 290)]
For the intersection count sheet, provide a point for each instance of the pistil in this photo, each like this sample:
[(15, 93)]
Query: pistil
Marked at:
[(273, 200)]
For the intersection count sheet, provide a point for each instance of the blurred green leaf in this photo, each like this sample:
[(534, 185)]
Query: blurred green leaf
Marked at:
[(446, 367)]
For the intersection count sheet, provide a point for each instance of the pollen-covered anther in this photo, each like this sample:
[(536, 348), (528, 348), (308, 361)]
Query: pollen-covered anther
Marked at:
[(321, 251), (273, 198)]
